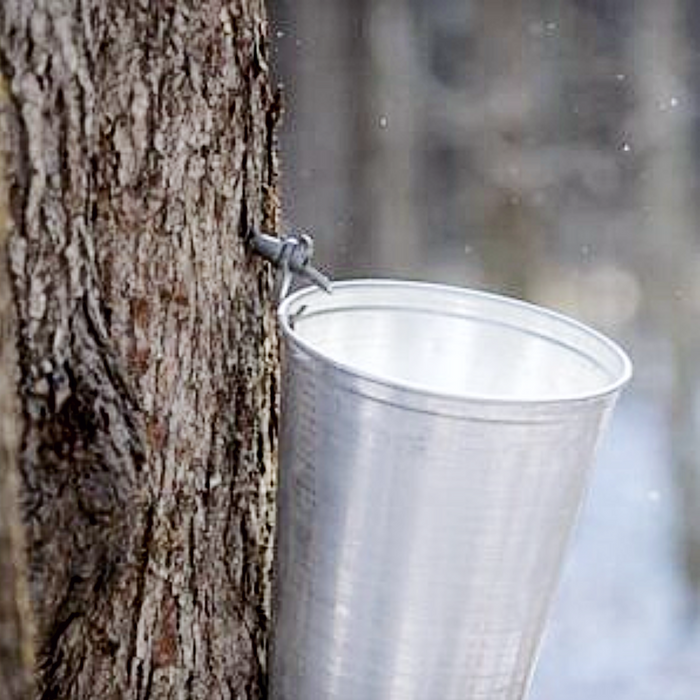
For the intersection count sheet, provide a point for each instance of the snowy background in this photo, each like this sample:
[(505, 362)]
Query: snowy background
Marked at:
[(549, 150)]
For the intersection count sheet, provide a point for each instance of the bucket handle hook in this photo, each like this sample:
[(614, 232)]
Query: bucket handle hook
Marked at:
[(291, 255)]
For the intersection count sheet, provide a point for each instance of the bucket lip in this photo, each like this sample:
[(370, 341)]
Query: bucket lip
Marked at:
[(607, 389)]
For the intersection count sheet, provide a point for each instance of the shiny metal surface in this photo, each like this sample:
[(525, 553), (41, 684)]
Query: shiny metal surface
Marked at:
[(435, 449)]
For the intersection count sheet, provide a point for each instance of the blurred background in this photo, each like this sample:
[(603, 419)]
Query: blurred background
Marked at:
[(550, 150)]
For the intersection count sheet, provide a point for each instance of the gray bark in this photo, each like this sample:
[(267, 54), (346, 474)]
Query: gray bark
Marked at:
[(16, 643), (141, 147)]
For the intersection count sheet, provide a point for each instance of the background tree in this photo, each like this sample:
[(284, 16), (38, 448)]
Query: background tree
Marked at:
[(139, 142)]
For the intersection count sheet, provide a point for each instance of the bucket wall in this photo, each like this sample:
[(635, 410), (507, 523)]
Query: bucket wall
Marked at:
[(427, 488)]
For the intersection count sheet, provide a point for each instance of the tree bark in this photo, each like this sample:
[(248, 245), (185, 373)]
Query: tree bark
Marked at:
[(141, 147), (16, 644)]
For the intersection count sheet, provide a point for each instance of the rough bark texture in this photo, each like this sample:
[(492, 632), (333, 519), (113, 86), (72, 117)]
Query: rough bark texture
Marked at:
[(141, 148), (16, 651)]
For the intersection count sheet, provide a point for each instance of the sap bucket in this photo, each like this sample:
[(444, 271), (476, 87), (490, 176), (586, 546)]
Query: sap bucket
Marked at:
[(436, 444)]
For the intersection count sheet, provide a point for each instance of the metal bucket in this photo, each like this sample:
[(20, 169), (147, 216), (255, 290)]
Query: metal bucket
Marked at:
[(436, 444)]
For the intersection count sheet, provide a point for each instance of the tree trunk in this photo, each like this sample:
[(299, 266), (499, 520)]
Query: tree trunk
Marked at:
[(16, 652), (140, 149)]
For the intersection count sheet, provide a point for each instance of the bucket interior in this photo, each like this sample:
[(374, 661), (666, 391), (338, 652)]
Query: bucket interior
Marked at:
[(454, 342)]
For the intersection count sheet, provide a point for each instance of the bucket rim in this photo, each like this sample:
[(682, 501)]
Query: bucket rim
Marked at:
[(292, 307)]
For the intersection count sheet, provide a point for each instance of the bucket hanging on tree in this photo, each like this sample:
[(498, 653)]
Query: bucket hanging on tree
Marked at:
[(436, 445)]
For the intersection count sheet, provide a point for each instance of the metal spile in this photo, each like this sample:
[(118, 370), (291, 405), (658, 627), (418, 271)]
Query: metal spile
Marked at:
[(291, 255)]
